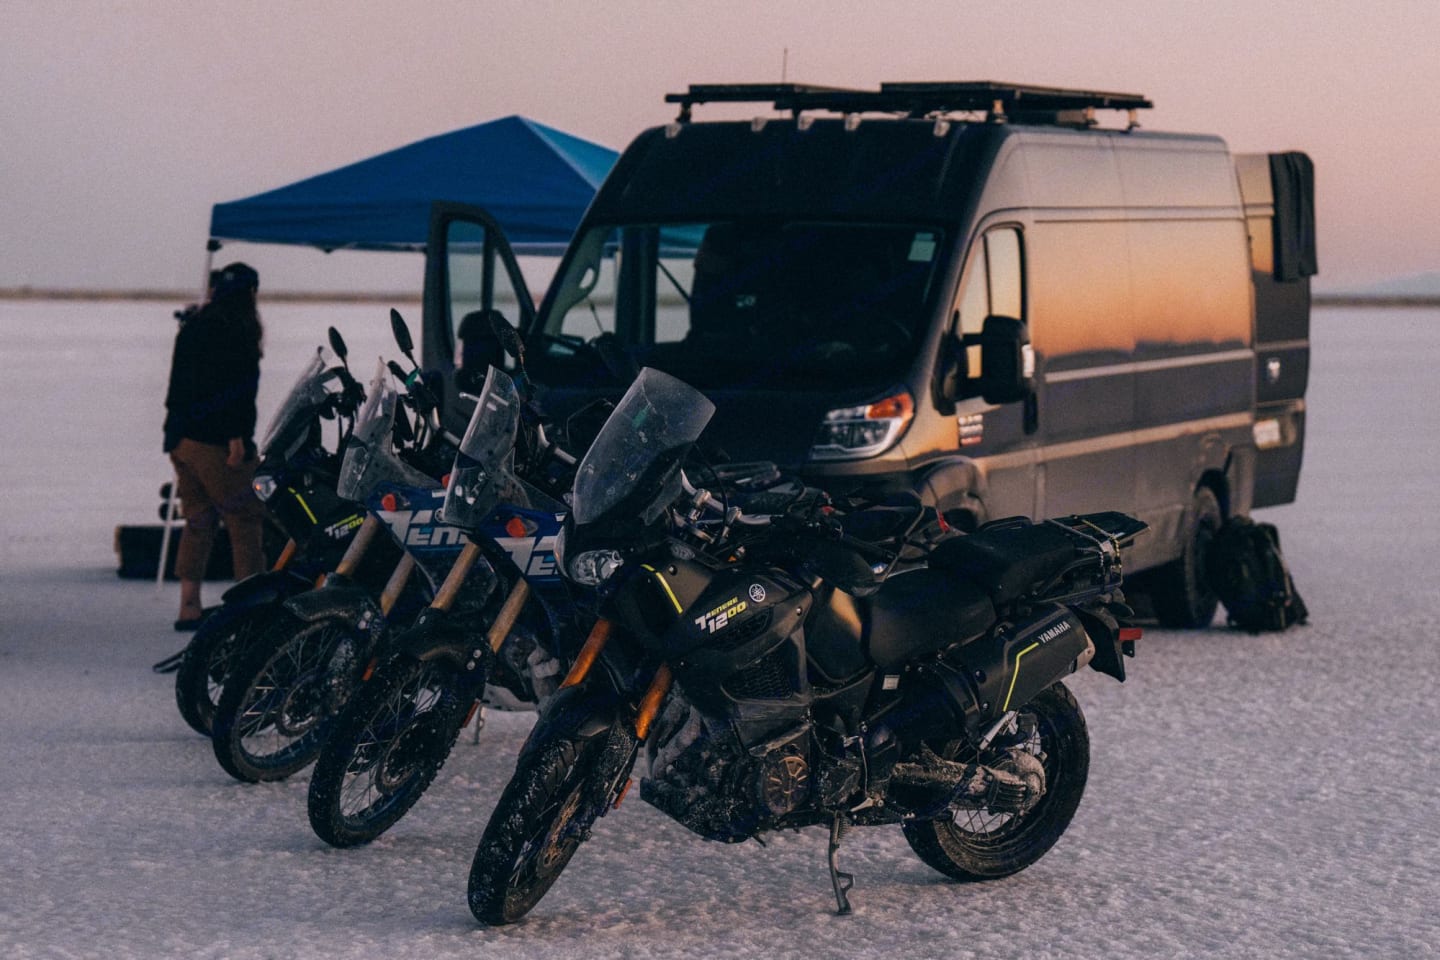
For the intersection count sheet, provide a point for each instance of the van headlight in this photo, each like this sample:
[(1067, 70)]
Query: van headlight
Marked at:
[(851, 433)]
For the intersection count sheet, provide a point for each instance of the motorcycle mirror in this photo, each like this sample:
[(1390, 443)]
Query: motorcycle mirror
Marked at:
[(402, 333), (398, 371), (337, 343), (508, 336)]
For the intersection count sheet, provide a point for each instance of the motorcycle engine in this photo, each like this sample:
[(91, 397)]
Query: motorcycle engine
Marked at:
[(702, 776)]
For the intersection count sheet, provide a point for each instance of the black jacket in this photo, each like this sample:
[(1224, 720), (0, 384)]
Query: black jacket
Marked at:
[(214, 374)]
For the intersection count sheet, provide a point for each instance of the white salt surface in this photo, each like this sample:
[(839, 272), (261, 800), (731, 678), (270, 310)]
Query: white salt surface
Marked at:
[(1274, 796)]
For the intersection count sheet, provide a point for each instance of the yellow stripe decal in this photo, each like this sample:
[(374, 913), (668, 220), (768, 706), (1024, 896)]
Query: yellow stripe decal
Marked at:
[(668, 592), (1016, 675), (303, 505)]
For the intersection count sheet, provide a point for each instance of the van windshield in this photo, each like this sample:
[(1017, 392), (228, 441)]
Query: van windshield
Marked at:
[(796, 304)]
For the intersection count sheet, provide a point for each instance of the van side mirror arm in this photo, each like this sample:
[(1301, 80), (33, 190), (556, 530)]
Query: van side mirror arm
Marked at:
[(950, 374)]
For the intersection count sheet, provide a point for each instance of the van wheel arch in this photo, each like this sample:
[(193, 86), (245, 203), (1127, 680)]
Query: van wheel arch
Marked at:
[(955, 488), (1182, 597)]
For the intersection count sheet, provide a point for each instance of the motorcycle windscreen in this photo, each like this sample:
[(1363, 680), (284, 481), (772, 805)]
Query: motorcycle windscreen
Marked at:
[(370, 459), (638, 447), (307, 393), (483, 474)]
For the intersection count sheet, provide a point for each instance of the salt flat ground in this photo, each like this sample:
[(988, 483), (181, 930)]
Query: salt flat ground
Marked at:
[(1273, 796)]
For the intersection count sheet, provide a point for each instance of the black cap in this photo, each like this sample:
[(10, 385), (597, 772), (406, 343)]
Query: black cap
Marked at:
[(235, 278)]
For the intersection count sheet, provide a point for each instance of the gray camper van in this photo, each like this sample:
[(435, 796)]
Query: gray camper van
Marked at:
[(971, 290)]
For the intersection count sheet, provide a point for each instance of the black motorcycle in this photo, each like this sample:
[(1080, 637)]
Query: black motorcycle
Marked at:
[(296, 480), (274, 707), (485, 639), (815, 667)]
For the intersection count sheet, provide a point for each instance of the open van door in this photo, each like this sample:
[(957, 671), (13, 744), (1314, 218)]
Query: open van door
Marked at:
[(1279, 195), (470, 271)]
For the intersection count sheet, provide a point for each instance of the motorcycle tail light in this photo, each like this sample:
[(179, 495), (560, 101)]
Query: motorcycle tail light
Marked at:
[(851, 433)]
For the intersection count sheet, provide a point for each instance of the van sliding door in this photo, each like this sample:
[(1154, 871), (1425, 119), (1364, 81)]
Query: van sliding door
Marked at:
[(1084, 338)]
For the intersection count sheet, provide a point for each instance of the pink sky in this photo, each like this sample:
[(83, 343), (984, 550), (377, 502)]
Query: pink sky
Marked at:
[(122, 123)]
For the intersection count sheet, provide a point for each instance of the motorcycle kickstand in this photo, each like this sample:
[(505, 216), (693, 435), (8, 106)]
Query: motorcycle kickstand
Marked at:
[(479, 724), (841, 881)]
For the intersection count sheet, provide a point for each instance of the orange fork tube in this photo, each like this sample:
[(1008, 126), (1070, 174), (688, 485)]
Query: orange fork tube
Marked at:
[(286, 555), (459, 570), (356, 551), (650, 703), (505, 619), (396, 583), (589, 653)]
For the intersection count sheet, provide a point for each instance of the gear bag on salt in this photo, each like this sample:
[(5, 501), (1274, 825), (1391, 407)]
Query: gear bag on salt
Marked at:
[(1247, 571)]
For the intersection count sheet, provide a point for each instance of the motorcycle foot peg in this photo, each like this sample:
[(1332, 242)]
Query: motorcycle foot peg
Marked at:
[(839, 880)]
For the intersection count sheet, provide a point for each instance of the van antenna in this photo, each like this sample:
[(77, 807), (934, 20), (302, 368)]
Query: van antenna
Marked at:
[(784, 64)]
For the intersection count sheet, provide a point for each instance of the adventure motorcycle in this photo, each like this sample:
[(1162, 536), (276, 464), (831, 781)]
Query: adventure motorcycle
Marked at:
[(296, 480), (484, 640), (808, 668), (271, 716)]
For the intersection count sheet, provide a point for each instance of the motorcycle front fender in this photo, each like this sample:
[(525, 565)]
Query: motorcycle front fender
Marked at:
[(439, 635), (340, 598), (582, 712), (265, 588)]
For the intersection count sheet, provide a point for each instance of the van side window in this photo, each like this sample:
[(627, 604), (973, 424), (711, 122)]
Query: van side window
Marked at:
[(993, 286)]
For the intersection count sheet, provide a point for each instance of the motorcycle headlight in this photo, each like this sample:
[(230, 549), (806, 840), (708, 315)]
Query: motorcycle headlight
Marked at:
[(593, 567), (265, 486)]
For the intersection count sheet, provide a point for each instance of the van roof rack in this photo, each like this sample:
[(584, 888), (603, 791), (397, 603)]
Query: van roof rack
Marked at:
[(999, 100)]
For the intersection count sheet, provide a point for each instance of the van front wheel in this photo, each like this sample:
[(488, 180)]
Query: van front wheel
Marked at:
[(1183, 599)]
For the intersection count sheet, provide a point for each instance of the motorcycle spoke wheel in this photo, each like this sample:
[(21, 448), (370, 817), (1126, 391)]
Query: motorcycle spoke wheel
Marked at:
[(978, 844), (272, 713), (208, 660), (542, 818), (387, 745)]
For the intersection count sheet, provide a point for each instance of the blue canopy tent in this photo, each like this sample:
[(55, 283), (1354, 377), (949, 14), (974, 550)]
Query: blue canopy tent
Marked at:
[(535, 180)]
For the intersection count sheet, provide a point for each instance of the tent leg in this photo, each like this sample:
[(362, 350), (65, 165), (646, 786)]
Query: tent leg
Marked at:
[(168, 525)]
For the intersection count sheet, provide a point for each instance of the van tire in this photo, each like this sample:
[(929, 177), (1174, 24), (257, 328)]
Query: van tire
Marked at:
[(1182, 597)]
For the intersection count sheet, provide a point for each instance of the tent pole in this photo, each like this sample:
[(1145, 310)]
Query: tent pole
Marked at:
[(210, 248)]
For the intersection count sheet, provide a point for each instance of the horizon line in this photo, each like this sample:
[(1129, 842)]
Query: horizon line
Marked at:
[(1326, 299)]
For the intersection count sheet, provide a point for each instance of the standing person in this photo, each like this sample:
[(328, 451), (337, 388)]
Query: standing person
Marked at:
[(209, 431)]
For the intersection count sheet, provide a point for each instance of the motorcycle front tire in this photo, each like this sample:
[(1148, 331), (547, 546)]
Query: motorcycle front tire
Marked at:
[(385, 748), (271, 718), (542, 818), (973, 845), (209, 657)]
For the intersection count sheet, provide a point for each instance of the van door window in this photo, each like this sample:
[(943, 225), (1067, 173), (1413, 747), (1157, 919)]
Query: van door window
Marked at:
[(478, 284), (993, 286)]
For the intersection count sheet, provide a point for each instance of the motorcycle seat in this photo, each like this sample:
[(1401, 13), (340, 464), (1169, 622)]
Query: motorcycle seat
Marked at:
[(1007, 558), (924, 611)]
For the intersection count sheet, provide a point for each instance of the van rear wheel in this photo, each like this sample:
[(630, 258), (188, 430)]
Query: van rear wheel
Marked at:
[(1183, 599)]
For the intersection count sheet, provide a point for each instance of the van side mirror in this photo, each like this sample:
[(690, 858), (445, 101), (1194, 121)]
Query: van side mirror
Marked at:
[(1007, 361)]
